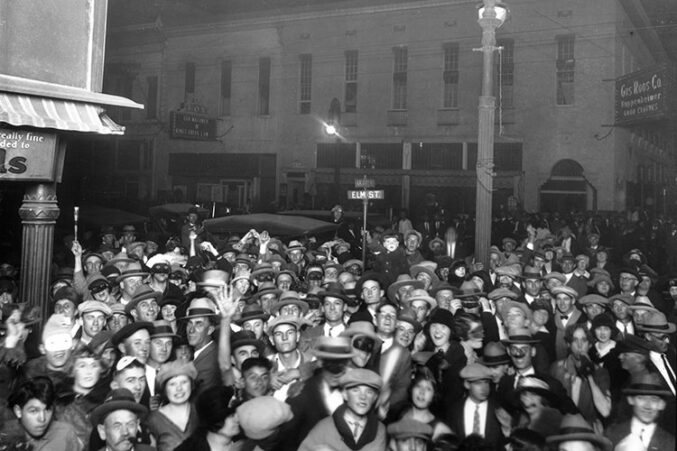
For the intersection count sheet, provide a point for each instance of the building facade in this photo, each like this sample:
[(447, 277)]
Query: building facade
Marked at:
[(236, 106)]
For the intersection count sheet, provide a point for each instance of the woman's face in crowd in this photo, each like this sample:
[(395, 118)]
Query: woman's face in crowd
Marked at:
[(178, 389), (422, 394)]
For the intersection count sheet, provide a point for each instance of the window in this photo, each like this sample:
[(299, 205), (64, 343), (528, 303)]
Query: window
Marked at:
[(444, 156), (190, 78), (340, 155), (450, 76), (151, 98), (381, 156), (264, 86), (306, 83), (505, 70), (400, 78), (565, 65), (226, 83), (350, 101)]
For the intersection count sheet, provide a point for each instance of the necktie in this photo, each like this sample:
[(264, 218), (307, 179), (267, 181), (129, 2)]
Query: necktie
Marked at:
[(671, 375), (518, 377), (641, 435), (476, 420), (356, 430)]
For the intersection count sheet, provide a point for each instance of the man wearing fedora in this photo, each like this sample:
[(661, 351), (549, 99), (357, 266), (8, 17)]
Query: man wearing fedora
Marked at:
[(144, 304), (354, 425), (162, 338), (658, 332), (334, 300), (200, 323), (575, 434), (129, 280), (117, 422), (254, 319), (648, 397)]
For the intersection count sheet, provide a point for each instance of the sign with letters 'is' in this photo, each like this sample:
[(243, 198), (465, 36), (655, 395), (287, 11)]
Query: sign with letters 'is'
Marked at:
[(27, 155)]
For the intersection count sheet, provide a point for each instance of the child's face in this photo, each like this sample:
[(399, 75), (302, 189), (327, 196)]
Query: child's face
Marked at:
[(391, 243)]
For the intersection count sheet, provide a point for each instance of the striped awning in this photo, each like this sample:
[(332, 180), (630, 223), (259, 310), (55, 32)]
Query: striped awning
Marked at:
[(41, 112)]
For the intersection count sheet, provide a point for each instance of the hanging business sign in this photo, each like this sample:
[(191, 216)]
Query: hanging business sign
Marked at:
[(27, 155), (643, 96), (194, 126)]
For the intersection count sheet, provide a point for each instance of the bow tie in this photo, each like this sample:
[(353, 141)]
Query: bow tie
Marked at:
[(564, 317)]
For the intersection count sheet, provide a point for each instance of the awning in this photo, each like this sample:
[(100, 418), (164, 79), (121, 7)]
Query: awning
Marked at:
[(41, 112), (573, 185)]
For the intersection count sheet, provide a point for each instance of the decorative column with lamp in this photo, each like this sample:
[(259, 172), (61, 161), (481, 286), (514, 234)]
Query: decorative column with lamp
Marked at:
[(492, 14)]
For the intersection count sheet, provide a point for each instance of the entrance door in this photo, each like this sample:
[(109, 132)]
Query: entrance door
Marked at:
[(236, 193)]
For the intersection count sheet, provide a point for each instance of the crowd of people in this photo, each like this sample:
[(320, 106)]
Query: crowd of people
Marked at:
[(257, 343)]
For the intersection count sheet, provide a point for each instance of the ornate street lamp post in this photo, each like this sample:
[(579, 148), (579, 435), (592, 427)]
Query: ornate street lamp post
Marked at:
[(492, 14)]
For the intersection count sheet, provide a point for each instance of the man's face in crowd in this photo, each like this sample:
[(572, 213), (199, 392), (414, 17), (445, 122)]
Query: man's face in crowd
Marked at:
[(242, 353), (412, 243), (360, 399), (138, 345), (405, 333), (421, 308), (386, 320), (119, 430), (515, 318), (160, 349), (92, 323), (564, 302), (521, 355), (632, 361), (295, 256), (93, 265), (256, 381), (128, 285), (333, 309), (284, 282), (410, 444), (57, 359), (425, 278), (568, 266), (646, 408), (35, 417), (199, 331), (444, 298), (133, 379), (117, 321), (540, 317), (593, 310), (168, 312), (479, 390), (660, 341), (371, 292), (146, 310), (532, 286), (267, 301), (620, 310), (628, 282), (553, 283), (285, 338), (254, 325), (601, 256)]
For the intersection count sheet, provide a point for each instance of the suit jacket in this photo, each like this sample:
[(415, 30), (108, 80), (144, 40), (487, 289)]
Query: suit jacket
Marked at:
[(580, 284), (492, 428), (661, 440), (394, 366), (207, 365)]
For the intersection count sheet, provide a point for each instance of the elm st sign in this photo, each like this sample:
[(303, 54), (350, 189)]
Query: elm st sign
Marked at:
[(644, 96)]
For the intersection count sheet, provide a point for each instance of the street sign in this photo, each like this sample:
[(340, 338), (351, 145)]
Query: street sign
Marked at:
[(366, 194), (365, 183)]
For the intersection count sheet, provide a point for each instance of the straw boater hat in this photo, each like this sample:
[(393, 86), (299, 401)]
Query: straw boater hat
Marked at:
[(214, 278), (538, 386), (656, 322), (333, 348), (201, 307), (571, 292), (593, 299)]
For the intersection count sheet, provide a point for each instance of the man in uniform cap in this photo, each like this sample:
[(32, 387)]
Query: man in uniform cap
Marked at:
[(354, 425)]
